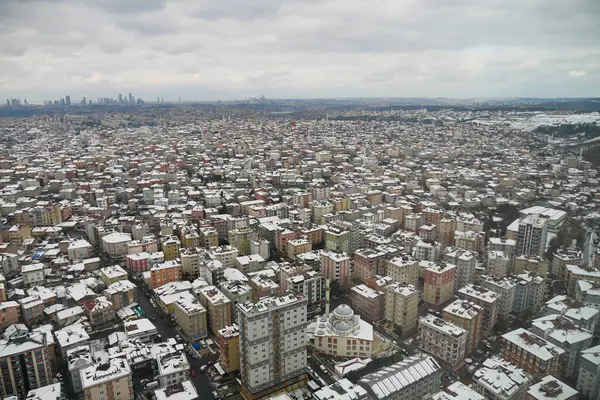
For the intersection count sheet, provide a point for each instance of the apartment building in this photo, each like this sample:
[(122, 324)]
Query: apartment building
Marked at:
[(229, 348), (531, 236), (439, 282), (403, 269), (367, 263), (309, 284), (112, 274), (163, 273), (498, 264), (446, 229), (189, 237), (563, 333), (121, 293), (466, 315), (529, 293), (272, 345), (79, 250), (534, 354), (218, 307), (469, 240), (507, 246), (298, 246), (465, 261), (142, 262), (99, 311), (191, 260), (226, 255), (401, 306), (10, 313), (115, 244), (560, 262), (532, 264), (588, 378), (580, 314), (551, 388), (26, 361), (170, 247), (240, 239), (506, 288), (173, 368), (110, 379), (495, 370), (367, 302), (190, 316), (32, 310), (33, 274), (488, 301), (413, 378), (336, 267), (428, 250), (443, 340), (208, 237)]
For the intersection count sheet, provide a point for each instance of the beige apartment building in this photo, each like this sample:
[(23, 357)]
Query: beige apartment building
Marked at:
[(401, 306)]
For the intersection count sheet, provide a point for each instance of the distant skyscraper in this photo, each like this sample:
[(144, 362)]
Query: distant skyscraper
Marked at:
[(162, 99), (131, 99), (83, 101), (120, 98), (158, 99), (68, 100), (8, 102), (62, 101)]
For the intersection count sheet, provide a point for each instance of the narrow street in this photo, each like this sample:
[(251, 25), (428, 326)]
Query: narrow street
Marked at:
[(167, 330)]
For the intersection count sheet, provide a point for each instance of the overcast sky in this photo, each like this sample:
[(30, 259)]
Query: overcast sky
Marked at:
[(232, 49)]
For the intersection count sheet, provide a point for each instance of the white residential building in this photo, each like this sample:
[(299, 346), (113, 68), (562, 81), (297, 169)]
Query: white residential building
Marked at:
[(498, 379), (465, 261), (442, 339), (173, 368), (309, 284), (588, 380)]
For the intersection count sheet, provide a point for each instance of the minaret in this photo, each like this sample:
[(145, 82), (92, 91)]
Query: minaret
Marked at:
[(327, 298)]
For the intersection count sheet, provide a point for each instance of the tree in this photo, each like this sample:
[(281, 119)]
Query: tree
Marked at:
[(398, 331)]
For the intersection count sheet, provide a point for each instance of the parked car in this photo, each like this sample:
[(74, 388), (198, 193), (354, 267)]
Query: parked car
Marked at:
[(193, 372), (322, 367), (215, 394), (203, 368)]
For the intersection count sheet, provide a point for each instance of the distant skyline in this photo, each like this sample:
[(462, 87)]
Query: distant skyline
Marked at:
[(215, 50)]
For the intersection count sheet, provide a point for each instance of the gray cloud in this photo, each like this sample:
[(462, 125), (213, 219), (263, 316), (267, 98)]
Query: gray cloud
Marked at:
[(284, 48)]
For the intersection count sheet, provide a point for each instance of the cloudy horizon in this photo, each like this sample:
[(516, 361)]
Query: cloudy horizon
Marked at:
[(210, 50)]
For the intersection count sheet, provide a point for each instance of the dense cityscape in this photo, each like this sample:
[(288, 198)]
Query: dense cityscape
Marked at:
[(264, 250)]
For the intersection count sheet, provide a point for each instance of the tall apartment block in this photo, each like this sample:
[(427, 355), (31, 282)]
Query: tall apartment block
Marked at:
[(26, 362), (401, 306), (531, 236), (443, 340), (272, 345), (440, 282), (466, 315), (535, 355), (465, 262), (488, 301)]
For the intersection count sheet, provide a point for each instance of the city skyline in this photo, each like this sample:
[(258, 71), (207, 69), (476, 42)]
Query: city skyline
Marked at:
[(206, 51)]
